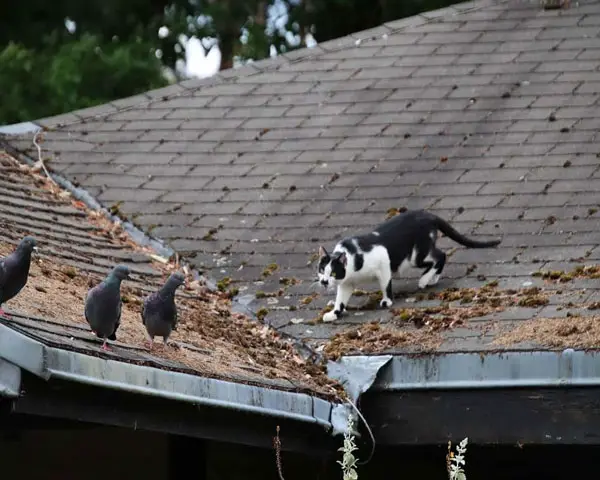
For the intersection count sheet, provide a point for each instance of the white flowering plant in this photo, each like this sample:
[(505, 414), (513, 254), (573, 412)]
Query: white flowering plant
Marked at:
[(455, 462), (348, 461)]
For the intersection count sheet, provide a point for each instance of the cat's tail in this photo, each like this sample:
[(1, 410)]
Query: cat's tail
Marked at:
[(448, 230)]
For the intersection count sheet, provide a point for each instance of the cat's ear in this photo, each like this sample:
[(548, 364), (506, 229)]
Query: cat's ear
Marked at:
[(323, 252), (343, 259)]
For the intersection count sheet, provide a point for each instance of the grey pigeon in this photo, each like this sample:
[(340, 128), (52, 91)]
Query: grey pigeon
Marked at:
[(14, 271), (103, 305), (159, 312)]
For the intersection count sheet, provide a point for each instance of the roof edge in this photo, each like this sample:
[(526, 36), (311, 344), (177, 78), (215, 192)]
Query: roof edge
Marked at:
[(19, 128), (480, 370), (49, 362), (10, 380), (186, 87)]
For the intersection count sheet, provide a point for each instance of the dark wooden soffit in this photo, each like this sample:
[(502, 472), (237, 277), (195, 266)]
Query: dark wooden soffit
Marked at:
[(545, 416), (71, 401)]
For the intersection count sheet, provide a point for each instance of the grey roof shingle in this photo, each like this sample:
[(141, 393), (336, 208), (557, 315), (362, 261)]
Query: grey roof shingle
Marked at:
[(485, 113)]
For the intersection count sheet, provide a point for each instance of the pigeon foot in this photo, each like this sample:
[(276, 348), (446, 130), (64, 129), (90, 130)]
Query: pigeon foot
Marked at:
[(149, 345), (106, 347), (4, 314)]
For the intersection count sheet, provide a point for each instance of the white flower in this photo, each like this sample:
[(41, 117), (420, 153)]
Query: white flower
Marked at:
[(456, 472), (348, 461)]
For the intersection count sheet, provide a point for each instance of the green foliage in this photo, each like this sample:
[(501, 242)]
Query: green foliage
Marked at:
[(46, 70), (331, 19), (228, 17), (26, 22), (258, 43), (66, 76), (21, 92), (86, 72)]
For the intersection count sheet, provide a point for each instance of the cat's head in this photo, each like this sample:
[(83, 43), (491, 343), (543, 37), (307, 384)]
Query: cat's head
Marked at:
[(332, 268)]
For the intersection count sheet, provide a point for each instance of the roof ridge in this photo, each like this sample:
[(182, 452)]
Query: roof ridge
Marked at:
[(232, 74)]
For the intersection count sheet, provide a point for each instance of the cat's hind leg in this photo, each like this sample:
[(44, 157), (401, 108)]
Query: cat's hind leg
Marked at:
[(343, 294), (424, 259), (385, 283), (440, 262), (433, 262)]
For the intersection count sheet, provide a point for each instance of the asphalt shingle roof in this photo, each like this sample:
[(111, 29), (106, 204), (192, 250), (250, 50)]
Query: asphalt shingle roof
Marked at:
[(485, 113), (77, 248)]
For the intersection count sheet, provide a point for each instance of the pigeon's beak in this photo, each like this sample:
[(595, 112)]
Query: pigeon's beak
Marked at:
[(35, 249)]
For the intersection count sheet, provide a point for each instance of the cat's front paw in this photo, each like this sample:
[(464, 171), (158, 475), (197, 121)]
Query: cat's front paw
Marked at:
[(423, 282), (385, 303), (330, 316)]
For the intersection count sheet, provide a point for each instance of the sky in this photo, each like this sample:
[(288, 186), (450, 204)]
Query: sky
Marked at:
[(202, 57)]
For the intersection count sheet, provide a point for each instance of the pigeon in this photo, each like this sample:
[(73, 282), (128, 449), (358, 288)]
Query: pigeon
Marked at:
[(103, 305), (14, 271), (159, 312)]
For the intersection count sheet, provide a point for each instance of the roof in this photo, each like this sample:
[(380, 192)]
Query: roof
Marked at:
[(484, 113), (78, 247)]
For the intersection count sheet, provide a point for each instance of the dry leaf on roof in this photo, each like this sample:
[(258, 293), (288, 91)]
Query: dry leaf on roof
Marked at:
[(573, 332)]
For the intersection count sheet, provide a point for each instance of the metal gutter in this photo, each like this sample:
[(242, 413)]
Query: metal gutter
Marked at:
[(19, 128), (357, 373), (10, 380), (514, 369), (48, 362)]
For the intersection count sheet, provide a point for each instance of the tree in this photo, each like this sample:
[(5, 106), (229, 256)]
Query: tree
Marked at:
[(77, 74), (114, 52), (127, 21), (330, 19)]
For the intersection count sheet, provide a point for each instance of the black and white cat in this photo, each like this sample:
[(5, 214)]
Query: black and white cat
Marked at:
[(408, 239)]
